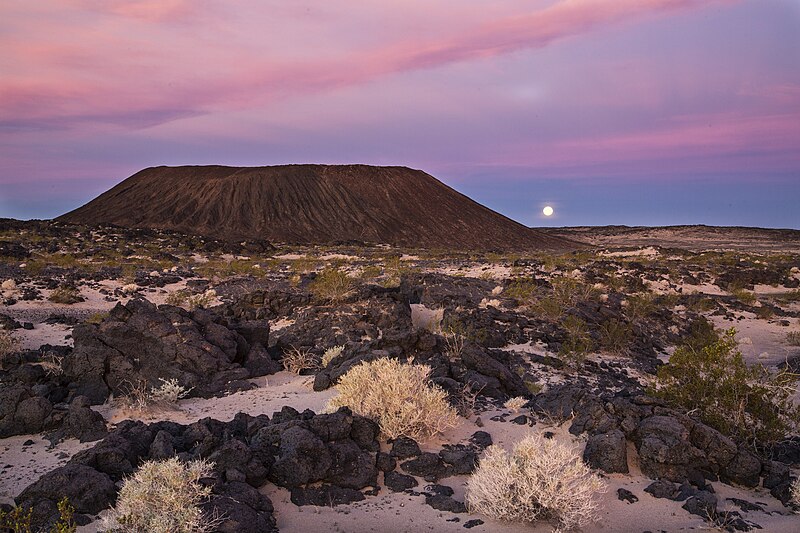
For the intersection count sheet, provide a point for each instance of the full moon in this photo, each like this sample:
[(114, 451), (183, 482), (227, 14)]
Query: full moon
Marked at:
[(547, 211)]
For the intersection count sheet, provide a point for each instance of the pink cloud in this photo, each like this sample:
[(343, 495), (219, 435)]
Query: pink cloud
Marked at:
[(115, 73)]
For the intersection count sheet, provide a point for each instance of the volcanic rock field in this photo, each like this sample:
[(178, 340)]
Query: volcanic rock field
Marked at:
[(258, 334)]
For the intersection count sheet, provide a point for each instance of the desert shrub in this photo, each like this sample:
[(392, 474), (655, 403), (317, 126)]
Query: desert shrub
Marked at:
[(515, 404), (140, 398), (398, 396), (96, 318), (793, 338), (8, 345), (639, 306), (331, 285), (331, 354), (539, 480), (66, 295), (163, 497), (52, 363), (744, 296), (577, 344), (615, 335), (18, 520), (295, 360), (522, 290), (177, 298), (370, 272), (713, 381), (791, 296), (796, 491)]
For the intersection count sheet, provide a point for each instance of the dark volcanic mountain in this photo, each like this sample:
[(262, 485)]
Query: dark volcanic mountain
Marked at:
[(310, 204)]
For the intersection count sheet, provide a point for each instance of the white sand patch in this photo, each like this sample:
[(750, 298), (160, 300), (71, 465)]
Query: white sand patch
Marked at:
[(54, 334), (22, 465), (281, 323), (291, 257), (704, 288), (760, 341), (494, 271), (649, 252), (197, 258), (340, 257), (406, 257), (424, 318)]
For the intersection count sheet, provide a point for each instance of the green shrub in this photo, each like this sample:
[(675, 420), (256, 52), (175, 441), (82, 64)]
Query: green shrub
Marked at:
[(710, 378), (19, 520), (615, 335), (744, 296), (332, 285), (578, 342)]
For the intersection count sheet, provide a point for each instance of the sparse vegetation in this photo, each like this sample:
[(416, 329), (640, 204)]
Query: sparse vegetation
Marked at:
[(796, 491), (577, 344), (744, 296), (66, 295), (18, 520), (139, 398), (398, 396), (708, 376), (793, 338), (184, 298), (332, 285), (331, 354), (164, 497), (515, 404), (295, 360), (615, 336), (540, 479)]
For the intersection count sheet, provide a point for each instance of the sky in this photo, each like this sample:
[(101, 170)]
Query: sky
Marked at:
[(636, 112)]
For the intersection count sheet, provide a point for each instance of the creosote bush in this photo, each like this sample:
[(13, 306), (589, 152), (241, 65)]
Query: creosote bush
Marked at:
[(398, 396), (540, 479), (163, 497), (709, 377), (577, 344), (18, 520), (793, 338), (332, 285)]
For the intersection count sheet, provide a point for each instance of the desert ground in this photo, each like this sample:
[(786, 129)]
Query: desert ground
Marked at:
[(98, 315)]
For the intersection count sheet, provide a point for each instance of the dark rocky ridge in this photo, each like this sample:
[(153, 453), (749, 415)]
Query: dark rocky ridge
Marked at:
[(310, 204)]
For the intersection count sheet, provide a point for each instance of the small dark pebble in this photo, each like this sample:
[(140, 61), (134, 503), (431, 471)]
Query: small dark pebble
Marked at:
[(472, 523)]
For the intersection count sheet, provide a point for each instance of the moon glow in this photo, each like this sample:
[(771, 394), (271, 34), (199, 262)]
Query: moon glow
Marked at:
[(547, 211)]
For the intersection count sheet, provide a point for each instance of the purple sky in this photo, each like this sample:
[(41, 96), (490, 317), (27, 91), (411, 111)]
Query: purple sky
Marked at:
[(612, 111)]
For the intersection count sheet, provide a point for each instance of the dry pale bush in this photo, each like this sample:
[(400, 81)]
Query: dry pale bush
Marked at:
[(398, 396), (515, 404), (295, 360), (139, 398), (163, 497), (331, 354), (796, 491), (540, 480)]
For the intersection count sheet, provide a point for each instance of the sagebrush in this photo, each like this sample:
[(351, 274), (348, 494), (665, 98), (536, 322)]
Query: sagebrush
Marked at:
[(398, 396), (540, 479), (164, 497), (332, 285)]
